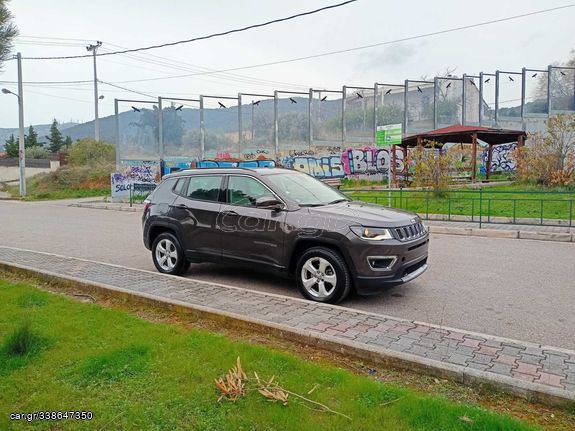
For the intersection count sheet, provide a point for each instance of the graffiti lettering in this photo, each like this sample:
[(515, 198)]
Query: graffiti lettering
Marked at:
[(369, 161), (320, 167)]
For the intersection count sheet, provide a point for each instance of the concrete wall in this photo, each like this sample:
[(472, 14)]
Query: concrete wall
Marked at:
[(10, 173)]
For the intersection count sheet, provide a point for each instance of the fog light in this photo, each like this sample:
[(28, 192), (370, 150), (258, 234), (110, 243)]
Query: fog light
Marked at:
[(381, 263)]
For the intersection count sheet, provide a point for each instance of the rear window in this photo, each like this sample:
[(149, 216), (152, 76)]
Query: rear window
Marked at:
[(204, 187), (162, 193)]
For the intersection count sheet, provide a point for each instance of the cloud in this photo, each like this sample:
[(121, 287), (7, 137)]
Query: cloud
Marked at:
[(391, 57)]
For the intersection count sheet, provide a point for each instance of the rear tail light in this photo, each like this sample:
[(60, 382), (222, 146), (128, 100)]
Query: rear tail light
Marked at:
[(147, 204)]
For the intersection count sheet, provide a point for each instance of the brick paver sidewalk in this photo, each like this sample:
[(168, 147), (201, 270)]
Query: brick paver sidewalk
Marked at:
[(525, 365)]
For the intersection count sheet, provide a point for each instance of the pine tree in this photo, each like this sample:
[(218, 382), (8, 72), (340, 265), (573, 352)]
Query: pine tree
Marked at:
[(11, 146), (31, 139), (55, 138), (67, 142)]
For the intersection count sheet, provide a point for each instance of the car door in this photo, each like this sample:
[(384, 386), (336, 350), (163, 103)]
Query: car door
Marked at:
[(197, 208), (249, 233)]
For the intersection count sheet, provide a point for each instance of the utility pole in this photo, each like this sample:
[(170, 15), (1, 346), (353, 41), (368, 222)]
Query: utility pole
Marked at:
[(93, 49), (21, 146), (21, 142)]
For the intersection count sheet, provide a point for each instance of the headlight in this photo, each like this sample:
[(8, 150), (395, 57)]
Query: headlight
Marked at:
[(371, 233)]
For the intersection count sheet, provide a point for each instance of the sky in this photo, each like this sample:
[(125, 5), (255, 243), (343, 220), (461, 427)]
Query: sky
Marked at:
[(63, 27)]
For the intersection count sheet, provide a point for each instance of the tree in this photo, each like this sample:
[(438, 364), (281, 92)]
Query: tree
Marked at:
[(11, 146), (55, 138), (563, 85), (8, 32), (31, 139), (67, 142)]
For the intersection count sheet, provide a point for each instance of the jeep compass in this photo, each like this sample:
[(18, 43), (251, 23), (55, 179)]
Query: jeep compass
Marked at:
[(286, 221)]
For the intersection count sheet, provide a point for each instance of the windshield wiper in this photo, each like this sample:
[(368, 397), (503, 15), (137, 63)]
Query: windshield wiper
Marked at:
[(338, 201)]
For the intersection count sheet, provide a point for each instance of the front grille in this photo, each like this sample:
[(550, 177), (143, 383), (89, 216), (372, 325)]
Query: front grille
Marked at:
[(410, 232)]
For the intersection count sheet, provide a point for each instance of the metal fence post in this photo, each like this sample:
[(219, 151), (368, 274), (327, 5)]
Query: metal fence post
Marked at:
[(480, 207)]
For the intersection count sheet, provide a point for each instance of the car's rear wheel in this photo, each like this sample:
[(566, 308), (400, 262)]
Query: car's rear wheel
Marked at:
[(322, 275), (168, 255)]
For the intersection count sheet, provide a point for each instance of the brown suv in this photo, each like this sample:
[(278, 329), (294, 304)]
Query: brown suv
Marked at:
[(286, 221)]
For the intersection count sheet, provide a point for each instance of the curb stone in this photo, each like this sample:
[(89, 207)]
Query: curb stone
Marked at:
[(546, 236)]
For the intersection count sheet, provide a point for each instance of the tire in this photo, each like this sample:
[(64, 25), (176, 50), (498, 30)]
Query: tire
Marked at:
[(168, 255), (322, 275)]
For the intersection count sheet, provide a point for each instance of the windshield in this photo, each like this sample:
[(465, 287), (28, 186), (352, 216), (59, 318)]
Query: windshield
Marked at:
[(306, 190)]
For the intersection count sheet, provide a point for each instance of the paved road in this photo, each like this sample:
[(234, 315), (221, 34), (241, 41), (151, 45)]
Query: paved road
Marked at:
[(512, 288)]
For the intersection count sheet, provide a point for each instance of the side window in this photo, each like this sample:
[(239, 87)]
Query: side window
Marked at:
[(179, 188), (204, 187), (245, 191)]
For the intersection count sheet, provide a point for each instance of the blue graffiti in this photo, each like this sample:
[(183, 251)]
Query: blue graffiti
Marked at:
[(319, 167), (232, 164)]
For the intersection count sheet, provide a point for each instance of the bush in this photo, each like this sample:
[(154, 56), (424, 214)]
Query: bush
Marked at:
[(550, 160), (88, 152), (431, 168), (37, 153)]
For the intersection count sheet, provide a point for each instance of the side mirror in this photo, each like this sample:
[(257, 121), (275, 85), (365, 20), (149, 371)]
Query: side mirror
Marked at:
[(269, 203)]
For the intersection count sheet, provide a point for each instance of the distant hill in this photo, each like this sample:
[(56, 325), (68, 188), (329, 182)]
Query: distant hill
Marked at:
[(217, 120)]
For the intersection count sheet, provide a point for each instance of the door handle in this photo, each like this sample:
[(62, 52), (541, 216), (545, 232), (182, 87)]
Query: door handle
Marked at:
[(229, 213), (181, 206)]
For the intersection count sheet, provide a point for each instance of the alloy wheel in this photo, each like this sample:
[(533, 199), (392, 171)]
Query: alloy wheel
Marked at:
[(166, 254), (318, 277)]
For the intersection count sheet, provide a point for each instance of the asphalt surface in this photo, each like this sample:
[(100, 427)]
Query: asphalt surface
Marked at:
[(512, 288)]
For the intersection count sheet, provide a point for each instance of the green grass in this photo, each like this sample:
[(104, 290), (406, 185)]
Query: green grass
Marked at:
[(519, 201), (137, 375), (35, 195)]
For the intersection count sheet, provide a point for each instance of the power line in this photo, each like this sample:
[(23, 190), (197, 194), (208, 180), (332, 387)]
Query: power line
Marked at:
[(127, 89), (175, 64), (48, 82), (195, 39), (341, 51)]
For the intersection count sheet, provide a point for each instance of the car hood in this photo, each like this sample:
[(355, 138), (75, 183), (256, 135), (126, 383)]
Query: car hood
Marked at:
[(366, 214)]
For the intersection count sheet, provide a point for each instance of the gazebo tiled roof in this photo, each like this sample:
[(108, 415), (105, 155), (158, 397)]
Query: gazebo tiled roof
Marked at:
[(464, 134)]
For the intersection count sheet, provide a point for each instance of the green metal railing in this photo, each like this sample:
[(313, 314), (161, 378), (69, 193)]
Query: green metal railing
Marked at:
[(479, 205)]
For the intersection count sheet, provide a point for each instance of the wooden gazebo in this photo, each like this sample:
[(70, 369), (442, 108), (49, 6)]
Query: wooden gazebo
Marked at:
[(464, 135)]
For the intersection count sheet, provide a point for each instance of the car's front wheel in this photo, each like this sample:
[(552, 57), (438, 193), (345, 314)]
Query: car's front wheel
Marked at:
[(168, 255), (322, 275)]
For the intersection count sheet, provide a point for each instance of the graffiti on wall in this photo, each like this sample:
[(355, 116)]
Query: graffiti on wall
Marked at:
[(222, 161), (134, 172), (501, 158), (356, 163)]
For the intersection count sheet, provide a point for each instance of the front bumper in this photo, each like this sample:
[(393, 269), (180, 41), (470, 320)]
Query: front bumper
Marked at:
[(374, 285), (410, 262)]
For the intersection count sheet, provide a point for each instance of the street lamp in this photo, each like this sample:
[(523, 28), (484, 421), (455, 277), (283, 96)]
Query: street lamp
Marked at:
[(21, 150)]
